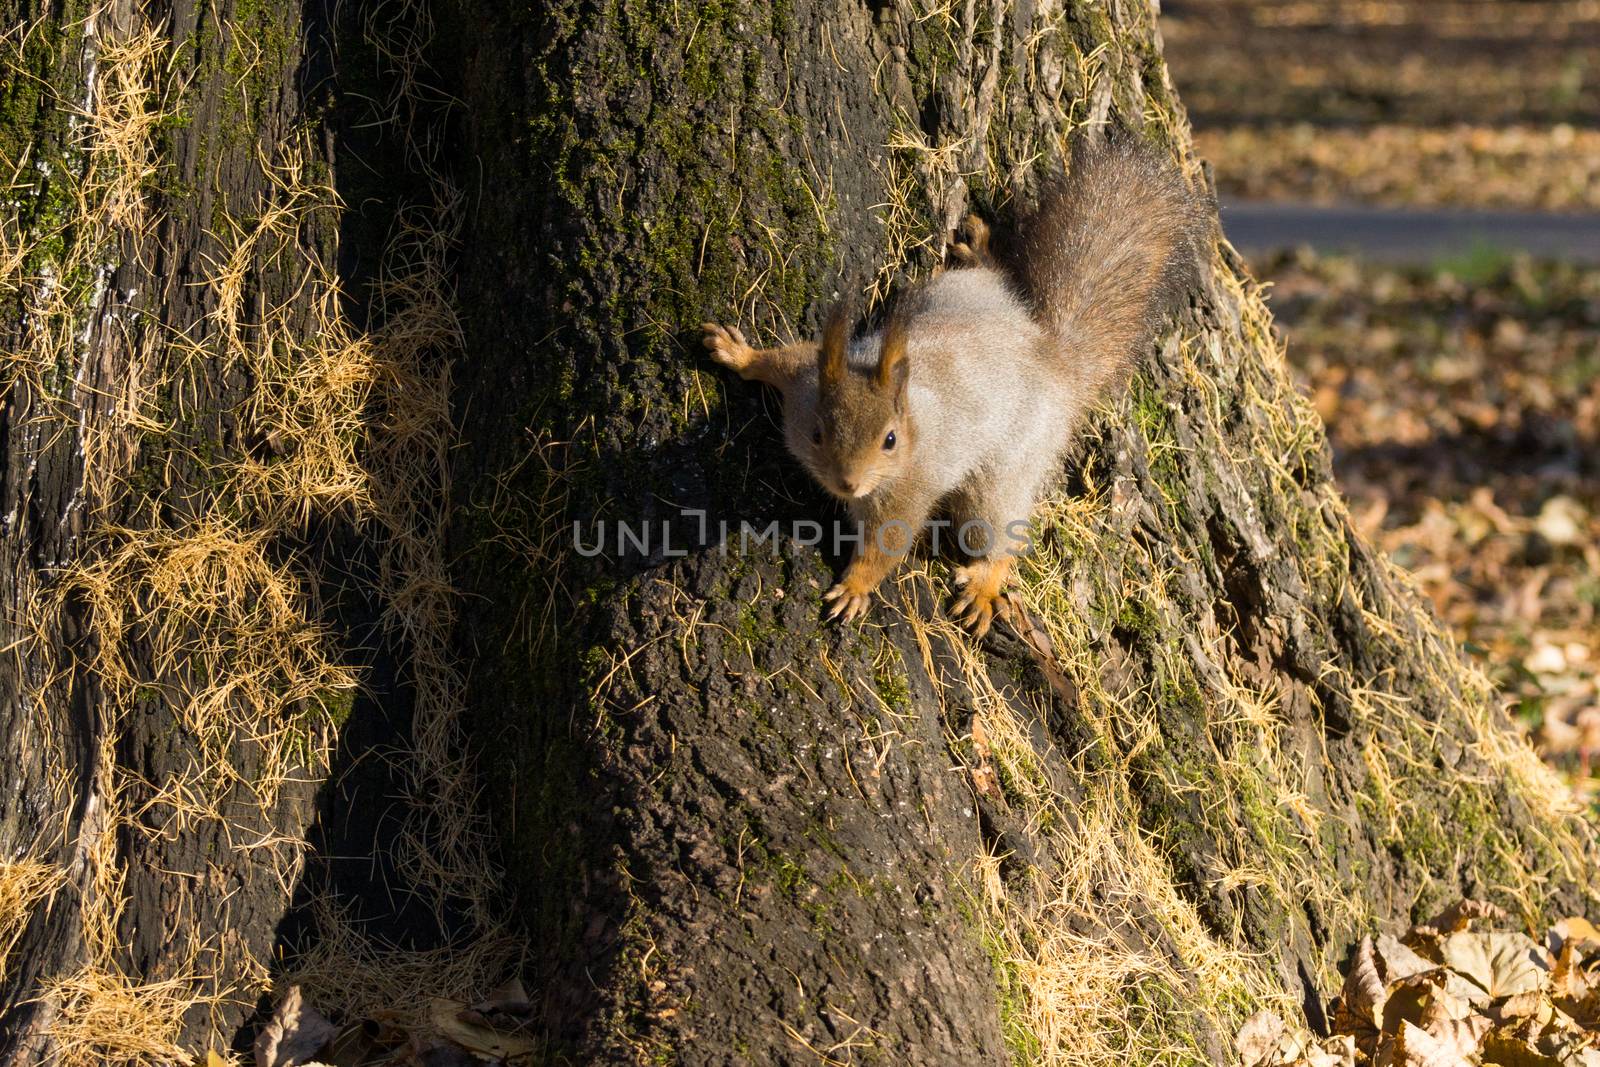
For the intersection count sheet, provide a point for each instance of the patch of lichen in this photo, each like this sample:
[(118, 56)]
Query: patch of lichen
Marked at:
[(933, 57), (42, 85), (801, 875), (1022, 1043), (1462, 841), (238, 68), (1153, 1006), (43, 73)]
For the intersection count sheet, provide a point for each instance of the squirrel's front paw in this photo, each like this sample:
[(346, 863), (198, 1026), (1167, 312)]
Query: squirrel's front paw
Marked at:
[(850, 599), (728, 346)]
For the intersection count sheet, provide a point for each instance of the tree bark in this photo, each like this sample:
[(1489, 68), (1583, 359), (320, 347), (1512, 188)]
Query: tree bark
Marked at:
[(1216, 740), (185, 509), (1222, 739)]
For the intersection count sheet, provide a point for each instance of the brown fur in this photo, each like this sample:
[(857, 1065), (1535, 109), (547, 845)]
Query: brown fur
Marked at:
[(1111, 249)]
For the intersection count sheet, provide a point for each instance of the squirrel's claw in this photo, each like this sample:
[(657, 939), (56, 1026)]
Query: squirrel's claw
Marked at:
[(981, 584), (975, 612), (847, 604), (974, 251)]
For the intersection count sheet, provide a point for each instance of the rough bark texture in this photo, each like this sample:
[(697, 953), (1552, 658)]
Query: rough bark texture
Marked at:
[(129, 407), (1219, 739), (740, 835)]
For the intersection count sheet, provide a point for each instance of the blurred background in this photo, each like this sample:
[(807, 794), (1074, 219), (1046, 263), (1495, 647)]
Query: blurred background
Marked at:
[(1419, 183)]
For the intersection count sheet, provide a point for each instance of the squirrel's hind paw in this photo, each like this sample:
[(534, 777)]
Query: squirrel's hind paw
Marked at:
[(727, 345), (975, 612), (974, 251)]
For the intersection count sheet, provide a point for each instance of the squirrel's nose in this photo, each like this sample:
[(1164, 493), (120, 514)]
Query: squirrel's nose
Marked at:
[(847, 485)]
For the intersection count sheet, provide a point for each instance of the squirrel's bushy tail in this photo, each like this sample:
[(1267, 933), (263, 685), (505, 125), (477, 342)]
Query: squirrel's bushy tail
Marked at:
[(1109, 252)]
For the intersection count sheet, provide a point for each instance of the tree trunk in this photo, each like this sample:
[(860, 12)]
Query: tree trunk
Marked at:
[(1219, 741), (1216, 740), (196, 329)]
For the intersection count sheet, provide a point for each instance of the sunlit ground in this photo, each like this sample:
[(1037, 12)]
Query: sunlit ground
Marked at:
[(1463, 404), (1462, 398)]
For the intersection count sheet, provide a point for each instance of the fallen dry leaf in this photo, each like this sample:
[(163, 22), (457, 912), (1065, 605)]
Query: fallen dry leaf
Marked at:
[(1415, 1047), (1461, 915), (1502, 964), (1258, 1039), (1532, 1005), (1515, 1052), (1398, 960), (985, 782), (1331, 1052), (296, 1033), (1445, 1006), (452, 1020), (1463, 1037), (1577, 929), (1364, 990), (509, 999)]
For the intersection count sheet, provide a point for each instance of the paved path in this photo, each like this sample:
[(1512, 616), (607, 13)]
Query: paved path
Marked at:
[(1407, 235)]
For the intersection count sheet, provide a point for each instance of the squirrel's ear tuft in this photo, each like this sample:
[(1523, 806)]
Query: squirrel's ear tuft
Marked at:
[(894, 368), (835, 343)]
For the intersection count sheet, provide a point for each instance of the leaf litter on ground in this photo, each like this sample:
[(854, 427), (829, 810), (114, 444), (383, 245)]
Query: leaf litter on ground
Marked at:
[(1453, 992), (498, 1030), (1482, 103), (1462, 403)]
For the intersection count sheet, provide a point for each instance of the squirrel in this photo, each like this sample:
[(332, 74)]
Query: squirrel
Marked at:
[(971, 394)]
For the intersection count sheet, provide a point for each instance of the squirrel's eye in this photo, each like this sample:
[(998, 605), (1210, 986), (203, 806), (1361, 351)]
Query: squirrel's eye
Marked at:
[(816, 435), (888, 442)]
